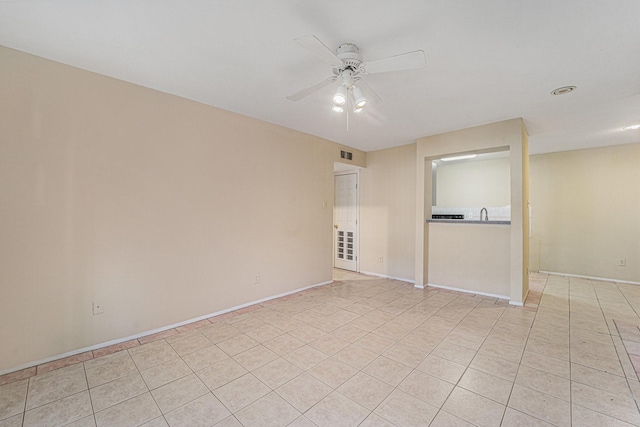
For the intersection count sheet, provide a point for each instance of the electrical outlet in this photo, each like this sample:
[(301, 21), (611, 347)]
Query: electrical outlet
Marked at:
[(470, 215), (623, 262), (381, 259), (97, 308), (256, 279)]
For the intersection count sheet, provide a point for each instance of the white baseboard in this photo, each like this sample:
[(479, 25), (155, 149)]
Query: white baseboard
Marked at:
[(520, 304), (155, 331), (387, 277), (604, 279), (467, 291)]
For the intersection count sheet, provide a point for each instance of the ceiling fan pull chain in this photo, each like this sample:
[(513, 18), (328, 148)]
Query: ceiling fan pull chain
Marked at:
[(347, 119), (348, 106)]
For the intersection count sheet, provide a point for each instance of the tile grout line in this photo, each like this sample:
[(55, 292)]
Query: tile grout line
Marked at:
[(523, 350), (635, 398), (414, 369), (26, 399), (608, 328), (597, 298), (430, 352), (469, 366), (379, 355), (627, 300), (86, 381), (571, 404)]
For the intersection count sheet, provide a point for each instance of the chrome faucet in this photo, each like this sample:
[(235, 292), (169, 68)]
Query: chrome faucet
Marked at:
[(486, 214)]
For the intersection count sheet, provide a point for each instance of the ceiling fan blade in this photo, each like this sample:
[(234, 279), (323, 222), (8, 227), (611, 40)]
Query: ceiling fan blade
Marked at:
[(314, 45), (368, 91), (308, 91), (404, 61)]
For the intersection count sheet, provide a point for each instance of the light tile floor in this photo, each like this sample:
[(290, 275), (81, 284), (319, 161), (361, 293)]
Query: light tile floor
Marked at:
[(364, 351)]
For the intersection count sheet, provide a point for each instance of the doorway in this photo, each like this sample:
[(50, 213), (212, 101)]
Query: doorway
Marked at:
[(345, 221)]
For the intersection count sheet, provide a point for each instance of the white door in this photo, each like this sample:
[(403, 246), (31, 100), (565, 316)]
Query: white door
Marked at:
[(345, 217)]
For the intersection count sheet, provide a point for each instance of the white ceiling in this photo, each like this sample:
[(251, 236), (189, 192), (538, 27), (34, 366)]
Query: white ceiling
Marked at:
[(486, 60)]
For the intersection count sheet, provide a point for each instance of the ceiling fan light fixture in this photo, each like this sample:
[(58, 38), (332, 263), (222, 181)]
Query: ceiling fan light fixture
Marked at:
[(359, 101), (340, 98)]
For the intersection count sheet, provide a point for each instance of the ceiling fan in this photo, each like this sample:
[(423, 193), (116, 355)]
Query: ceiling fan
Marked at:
[(348, 68)]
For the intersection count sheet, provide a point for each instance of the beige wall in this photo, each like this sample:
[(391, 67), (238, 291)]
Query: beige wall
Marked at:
[(473, 183), (160, 208), (387, 212), (586, 212), (470, 257)]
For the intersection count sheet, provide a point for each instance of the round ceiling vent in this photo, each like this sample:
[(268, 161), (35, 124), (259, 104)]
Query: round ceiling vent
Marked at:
[(563, 90)]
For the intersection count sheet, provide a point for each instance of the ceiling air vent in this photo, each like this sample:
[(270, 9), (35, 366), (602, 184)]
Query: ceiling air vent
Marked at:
[(346, 155)]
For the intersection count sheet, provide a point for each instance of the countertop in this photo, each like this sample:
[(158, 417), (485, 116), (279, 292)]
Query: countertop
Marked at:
[(468, 221)]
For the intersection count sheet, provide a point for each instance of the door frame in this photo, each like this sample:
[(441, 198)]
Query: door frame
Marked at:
[(357, 243)]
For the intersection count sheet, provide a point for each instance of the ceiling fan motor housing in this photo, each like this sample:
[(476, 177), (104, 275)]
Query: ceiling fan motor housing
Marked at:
[(348, 53)]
